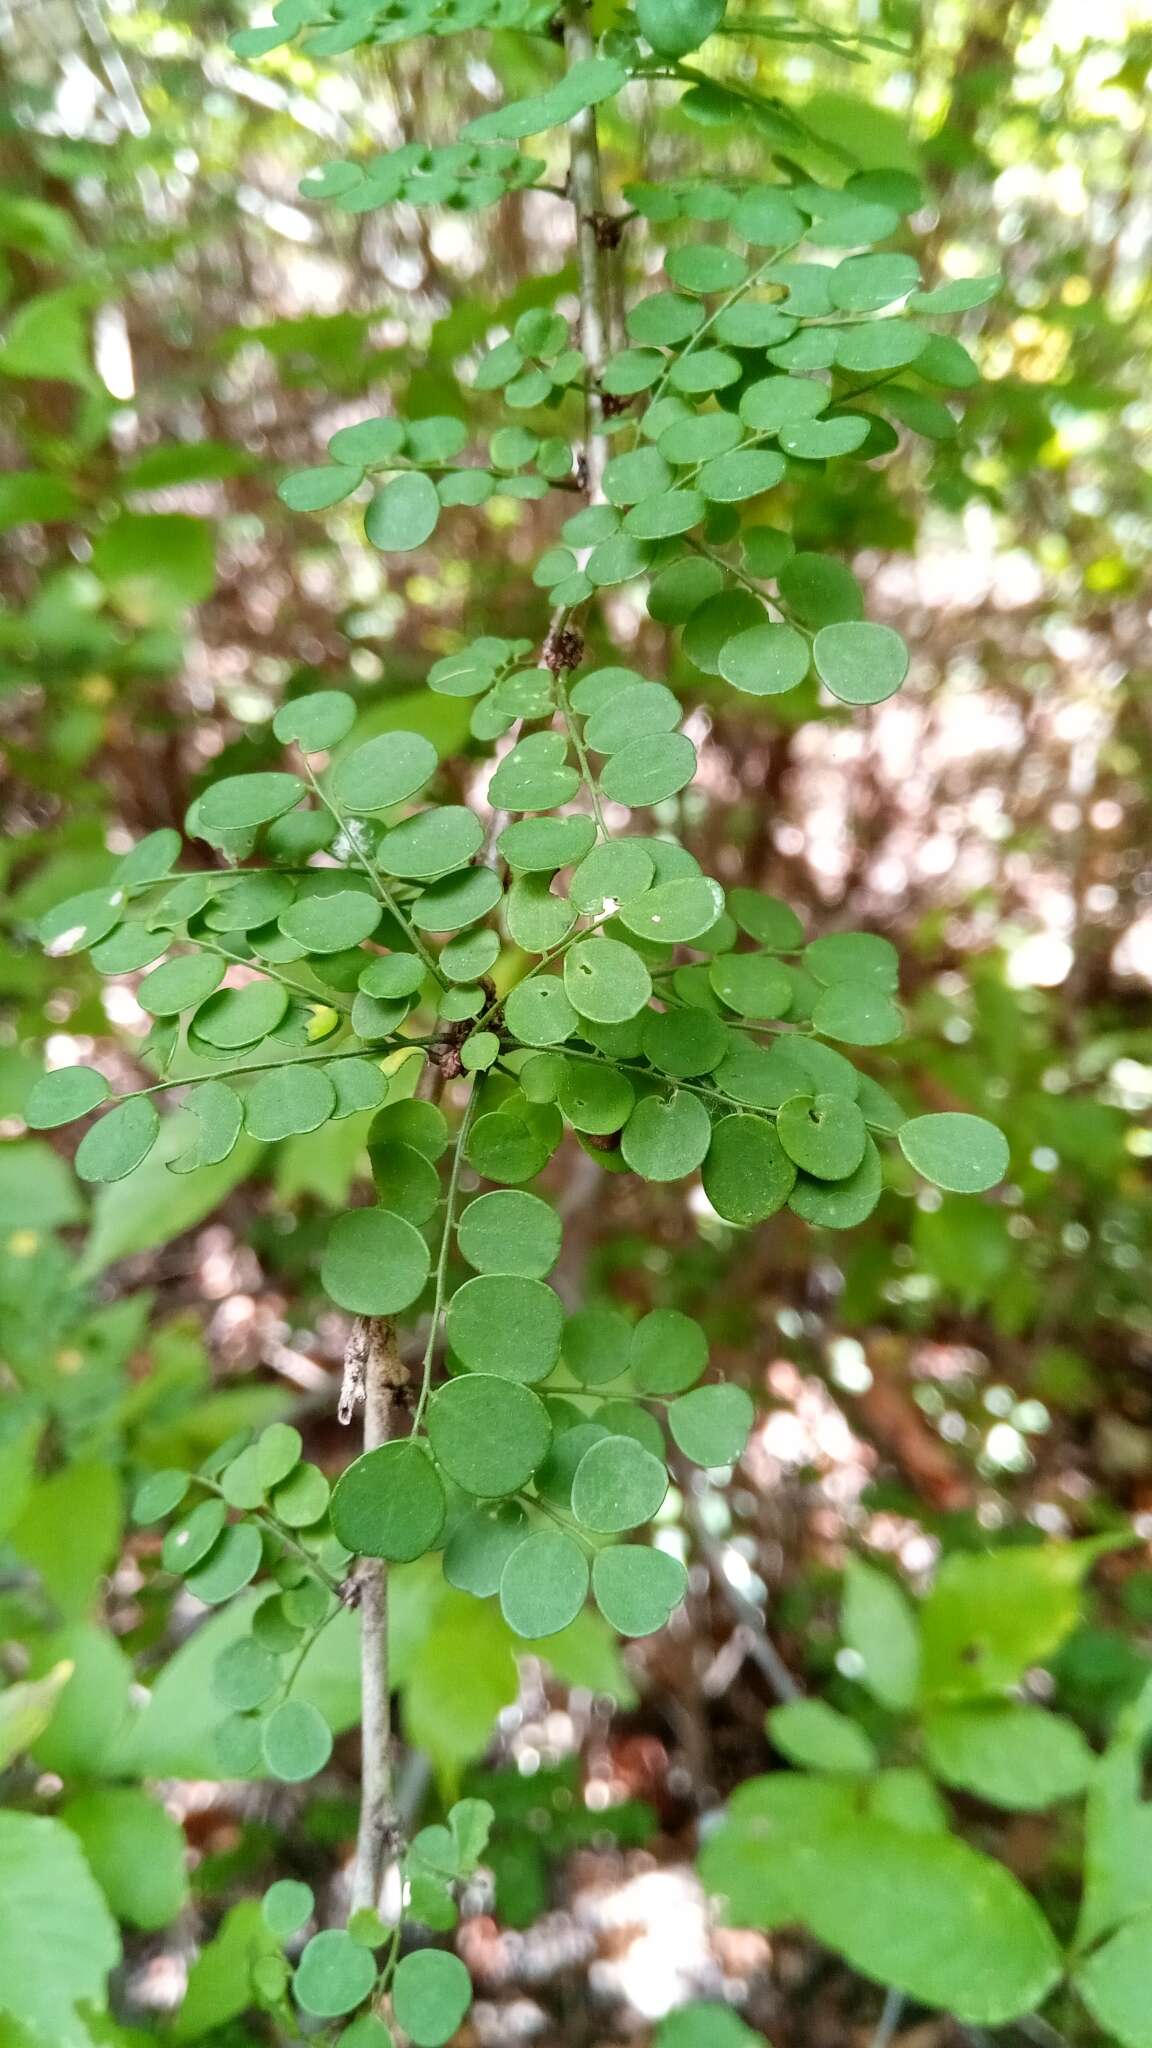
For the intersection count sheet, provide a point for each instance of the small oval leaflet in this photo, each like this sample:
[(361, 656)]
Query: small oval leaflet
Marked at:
[(544, 1584), (606, 981), (374, 1264), (389, 1503), (334, 1974), (232, 1562), (861, 663), (669, 1352), (711, 1424), (825, 1134), (287, 1906), (665, 1140), (287, 1102), (747, 1175), (240, 802), (62, 1096), (431, 1993), (123, 1137), (382, 772), (510, 1232), (316, 722), (636, 1587), (506, 1325), (403, 513), (489, 1434), (618, 1485), (963, 1153)]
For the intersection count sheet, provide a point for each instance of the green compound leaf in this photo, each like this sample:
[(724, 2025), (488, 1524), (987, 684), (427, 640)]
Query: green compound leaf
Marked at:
[(117, 1144), (606, 981), (192, 1538), (506, 1325), (240, 802), (669, 1352), (825, 1134), (1115, 1983), (665, 1140), (859, 662), (389, 1503), (431, 1993), (383, 772), (316, 722), (489, 1434), (685, 1042), (62, 1096), (649, 770), (375, 1263), (510, 1232), (544, 1584), (711, 1424), (636, 1588), (334, 1974), (159, 1495), (287, 1102), (747, 1175), (965, 1154), (403, 513), (238, 1017), (618, 1485)]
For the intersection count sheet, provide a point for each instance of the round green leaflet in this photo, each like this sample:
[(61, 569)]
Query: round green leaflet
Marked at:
[(544, 1584), (506, 1325), (431, 1993), (780, 401), (288, 1101), (618, 1485), (771, 923), (597, 1344), (368, 2031), (314, 490), (158, 1495), (335, 1973), (192, 1538), (278, 1450), (820, 592), (538, 1012), (854, 957), (595, 1099), (675, 913), (488, 1434), (431, 844), (403, 513), (664, 318), (630, 716), (709, 369), (180, 984), (130, 946), (332, 923), (751, 984), (765, 660), (840, 1204), (240, 802), (233, 1560), (80, 921), (359, 1085), (301, 1499), (149, 860), (880, 347), (611, 873), (747, 1175), (238, 1017), (861, 663), (649, 770), (389, 1503), (706, 267), (545, 844), (241, 1484), (606, 981), (860, 1014), (676, 27), (682, 588), (818, 440), (251, 900), (556, 1474), (711, 1424), (383, 772), (669, 1352), (481, 1544), (825, 1134), (287, 1906), (730, 479), (963, 1153), (642, 473), (665, 1139), (697, 438), (684, 1043), (62, 1096), (392, 975), (706, 2026), (245, 1675), (236, 1741), (505, 1147), (716, 621), (864, 284), (636, 1587), (316, 722), (457, 900), (470, 954), (375, 1263), (510, 1232), (117, 1144)]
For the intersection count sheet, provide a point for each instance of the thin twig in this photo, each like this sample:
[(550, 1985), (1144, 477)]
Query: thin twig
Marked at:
[(374, 1373), (889, 2020)]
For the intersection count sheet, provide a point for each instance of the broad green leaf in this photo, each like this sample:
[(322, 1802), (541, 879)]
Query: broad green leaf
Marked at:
[(813, 1734), (877, 1622), (1014, 1756), (992, 1613), (135, 1851), (1115, 1982), (58, 1940)]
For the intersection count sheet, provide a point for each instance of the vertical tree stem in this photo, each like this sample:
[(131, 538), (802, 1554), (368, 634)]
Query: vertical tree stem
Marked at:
[(586, 191), (381, 1374)]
